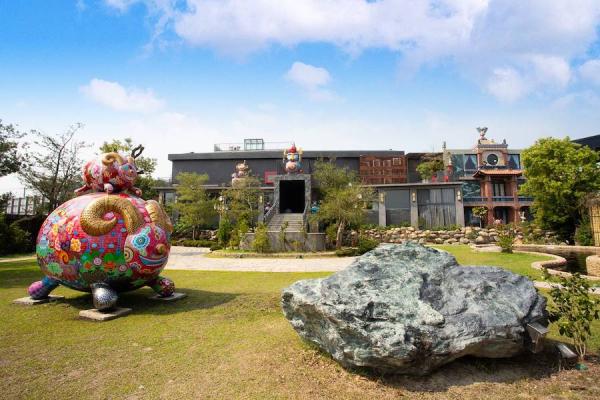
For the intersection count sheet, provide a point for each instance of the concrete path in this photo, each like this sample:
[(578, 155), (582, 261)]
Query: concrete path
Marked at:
[(195, 259)]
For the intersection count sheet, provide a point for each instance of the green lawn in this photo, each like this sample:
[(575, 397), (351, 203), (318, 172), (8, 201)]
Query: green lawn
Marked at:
[(519, 263), (228, 339)]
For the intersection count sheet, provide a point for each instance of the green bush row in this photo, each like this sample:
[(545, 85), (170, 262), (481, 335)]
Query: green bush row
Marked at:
[(195, 243), (365, 245)]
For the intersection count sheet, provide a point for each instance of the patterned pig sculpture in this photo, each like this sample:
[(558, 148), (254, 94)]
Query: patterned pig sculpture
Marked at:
[(112, 172), (104, 243)]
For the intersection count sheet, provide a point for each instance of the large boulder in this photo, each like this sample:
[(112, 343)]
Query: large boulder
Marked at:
[(410, 309)]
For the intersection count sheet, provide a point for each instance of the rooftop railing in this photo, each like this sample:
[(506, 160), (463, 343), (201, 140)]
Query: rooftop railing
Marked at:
[(251, 145)]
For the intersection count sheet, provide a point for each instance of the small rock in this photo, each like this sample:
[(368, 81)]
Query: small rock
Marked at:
[(480, 240)]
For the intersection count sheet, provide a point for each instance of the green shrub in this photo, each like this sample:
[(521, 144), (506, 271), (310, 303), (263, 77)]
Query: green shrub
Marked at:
[(506, 238), (261, 239), (428, 169), (14, 239), (366, 244), (195, 243), (216, 247), (346, 252), (234, 239), (224, 232), (574, 310), (282, 239), (471, 235), (583, 234)]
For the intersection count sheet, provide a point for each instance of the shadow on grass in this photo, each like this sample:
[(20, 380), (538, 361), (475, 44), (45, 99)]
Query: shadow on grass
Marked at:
[(139, 301), (19, 274), (469, 370)]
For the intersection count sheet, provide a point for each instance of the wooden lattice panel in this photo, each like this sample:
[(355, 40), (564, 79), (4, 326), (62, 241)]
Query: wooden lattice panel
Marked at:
[(381, 170), (595, 220)]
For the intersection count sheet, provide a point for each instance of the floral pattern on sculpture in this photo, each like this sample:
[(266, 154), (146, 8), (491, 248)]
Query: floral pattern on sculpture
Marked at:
[(116, 240)]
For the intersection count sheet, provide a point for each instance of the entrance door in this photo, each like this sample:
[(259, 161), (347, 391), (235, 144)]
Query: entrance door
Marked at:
[(291, 196)]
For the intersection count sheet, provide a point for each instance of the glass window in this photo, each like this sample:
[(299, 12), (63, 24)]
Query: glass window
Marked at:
[(458, 162), (254, 144), (514, 161), (470, 163), (471, 189)]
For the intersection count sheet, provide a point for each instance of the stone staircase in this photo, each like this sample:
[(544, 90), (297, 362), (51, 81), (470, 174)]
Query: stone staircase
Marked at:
[(294, 222)]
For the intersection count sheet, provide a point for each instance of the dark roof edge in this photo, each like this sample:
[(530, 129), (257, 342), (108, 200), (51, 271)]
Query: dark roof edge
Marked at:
[(276, 154)]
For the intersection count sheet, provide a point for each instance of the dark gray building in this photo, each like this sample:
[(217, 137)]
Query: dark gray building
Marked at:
[(402, 198), (591, 141)]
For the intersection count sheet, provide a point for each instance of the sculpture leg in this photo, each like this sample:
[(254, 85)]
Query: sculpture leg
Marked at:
[(136, 191), (81, 190), (104, 296), (41, 289), (163, 286)]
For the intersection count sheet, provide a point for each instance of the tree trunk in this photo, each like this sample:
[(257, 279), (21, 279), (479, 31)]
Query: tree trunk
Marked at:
[(339, 235)]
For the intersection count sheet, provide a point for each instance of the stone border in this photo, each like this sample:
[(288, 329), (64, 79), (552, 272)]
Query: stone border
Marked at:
[(534, 247), (558, 261), (292, 255)]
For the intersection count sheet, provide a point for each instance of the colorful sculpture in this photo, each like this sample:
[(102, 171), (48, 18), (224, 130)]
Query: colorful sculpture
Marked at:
[(105, 242), (111, 173), (242, 171), (292, 158)]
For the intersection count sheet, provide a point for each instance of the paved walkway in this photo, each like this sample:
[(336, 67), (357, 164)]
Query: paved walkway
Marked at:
[(195, 259)]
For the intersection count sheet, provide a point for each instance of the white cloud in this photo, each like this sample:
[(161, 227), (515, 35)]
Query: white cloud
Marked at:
[(590, 71), (551, 70), (308, 76), (536, 38), (119, 98), (506, 84), (120, 5), (313, 80)]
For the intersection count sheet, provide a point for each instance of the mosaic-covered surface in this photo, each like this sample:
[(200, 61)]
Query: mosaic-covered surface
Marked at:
[(73, 249)]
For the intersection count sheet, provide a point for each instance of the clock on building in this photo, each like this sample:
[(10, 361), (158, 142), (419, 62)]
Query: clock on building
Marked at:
[(492, 159)]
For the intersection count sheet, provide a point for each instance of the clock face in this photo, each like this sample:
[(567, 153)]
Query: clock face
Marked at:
[(492, 159)]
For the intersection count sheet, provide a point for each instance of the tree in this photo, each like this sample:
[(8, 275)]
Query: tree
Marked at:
[(54, 169), (344, 198), (144, 181), (574, 310), (194, 207), (428, 169), (560, 174), (10, 160), (481, 213), (242, 200)]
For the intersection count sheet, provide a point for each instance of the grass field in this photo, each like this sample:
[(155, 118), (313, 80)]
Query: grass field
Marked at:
[(228, 339), (519, 263)]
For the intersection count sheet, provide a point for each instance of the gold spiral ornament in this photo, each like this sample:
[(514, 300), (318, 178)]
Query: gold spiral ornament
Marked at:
[(92, 217)]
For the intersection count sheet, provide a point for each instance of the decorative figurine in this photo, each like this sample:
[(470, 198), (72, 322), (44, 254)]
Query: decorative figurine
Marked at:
[(242, 171), (292, 158), (105, 242), (112, 173)]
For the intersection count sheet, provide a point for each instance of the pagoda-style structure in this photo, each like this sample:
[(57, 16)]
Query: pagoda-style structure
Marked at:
[(491, 174)]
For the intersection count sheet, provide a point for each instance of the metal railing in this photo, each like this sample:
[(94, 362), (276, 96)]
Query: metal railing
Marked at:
[(25, 205), (500, 199), (251, 146), (272, 211), (503, 198)]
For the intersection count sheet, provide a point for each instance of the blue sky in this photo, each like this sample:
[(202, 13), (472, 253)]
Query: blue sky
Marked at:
[(180, 75)]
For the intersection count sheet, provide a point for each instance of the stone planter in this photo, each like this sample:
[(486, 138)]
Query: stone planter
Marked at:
[(592, 264)]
